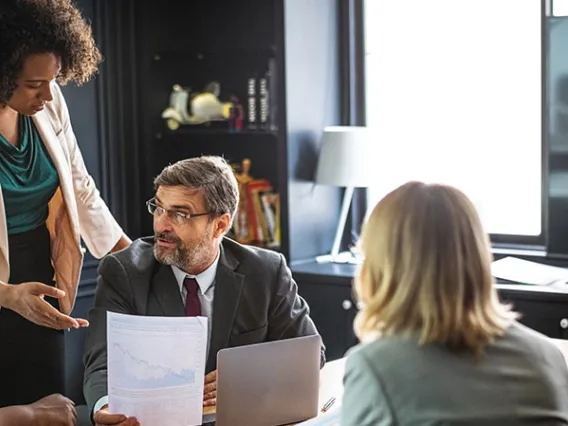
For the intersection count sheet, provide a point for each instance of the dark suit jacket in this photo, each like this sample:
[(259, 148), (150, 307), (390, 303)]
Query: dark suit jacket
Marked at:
[(255, 301)]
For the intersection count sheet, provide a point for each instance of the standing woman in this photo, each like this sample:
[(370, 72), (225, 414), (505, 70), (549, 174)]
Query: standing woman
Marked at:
[(48, 200)]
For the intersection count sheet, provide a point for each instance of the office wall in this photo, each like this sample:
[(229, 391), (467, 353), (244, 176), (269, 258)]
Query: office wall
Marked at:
[(312, 102)]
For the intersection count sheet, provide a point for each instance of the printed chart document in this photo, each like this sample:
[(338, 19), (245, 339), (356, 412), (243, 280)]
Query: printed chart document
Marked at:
[(156, 368)]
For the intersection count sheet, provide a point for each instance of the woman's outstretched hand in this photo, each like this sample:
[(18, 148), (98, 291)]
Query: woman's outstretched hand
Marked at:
[(27, 299)]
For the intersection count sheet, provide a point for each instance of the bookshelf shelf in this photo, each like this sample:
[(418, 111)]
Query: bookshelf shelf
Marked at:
[(181, 132), (252, 51), (223, 53)]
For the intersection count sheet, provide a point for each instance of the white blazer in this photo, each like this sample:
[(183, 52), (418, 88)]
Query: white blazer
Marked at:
[(76, 210)]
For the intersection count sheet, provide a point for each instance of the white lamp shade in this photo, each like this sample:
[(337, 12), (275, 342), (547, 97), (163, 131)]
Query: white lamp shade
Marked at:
[(347, 157)]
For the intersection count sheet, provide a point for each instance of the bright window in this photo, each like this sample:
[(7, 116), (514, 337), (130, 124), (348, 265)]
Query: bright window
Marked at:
[(560, 8), (454, 93)]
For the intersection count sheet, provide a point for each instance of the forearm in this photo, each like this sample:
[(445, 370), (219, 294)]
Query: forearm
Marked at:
[(5, 295), (95, 360), (95, 389), (121, 244), (17, 415)]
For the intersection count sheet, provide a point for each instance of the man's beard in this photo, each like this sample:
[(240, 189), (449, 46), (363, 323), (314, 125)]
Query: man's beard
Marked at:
[(183, 257)]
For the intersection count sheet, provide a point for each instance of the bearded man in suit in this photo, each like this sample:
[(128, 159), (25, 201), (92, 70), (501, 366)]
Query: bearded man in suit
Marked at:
[(190, 267)]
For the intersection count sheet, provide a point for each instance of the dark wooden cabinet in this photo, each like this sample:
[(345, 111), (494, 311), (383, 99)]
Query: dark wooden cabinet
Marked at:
[(333, 311), (542, 309), (328, 290)]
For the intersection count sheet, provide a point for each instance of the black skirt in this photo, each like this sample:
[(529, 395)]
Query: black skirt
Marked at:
[(32, 358)]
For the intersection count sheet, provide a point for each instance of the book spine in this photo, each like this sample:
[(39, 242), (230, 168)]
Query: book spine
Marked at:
[(264, 102), (252, 111)]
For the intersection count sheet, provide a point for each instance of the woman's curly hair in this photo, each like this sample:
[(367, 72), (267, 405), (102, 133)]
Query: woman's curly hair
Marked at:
[(44, 26)]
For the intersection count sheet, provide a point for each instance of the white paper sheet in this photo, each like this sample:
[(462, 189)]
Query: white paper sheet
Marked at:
[(156, 368), (526, 272)]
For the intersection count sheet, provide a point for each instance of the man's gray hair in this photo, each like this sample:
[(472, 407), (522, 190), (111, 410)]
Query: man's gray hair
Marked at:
[(210, 174)]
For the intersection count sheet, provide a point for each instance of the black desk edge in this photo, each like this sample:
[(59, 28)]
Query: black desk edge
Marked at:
[(342, 274)]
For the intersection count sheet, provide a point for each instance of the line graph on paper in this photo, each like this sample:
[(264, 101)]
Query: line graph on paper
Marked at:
[(151, 353), (156, 367), (134, 372)]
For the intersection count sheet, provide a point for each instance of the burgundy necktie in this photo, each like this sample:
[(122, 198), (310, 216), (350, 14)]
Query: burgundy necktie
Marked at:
[(192, 304)]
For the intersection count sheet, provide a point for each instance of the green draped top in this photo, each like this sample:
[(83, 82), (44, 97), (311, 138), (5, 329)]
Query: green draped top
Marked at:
[(28, 178)]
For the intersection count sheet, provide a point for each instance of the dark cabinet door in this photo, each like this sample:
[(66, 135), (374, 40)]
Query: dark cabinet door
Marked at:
[(332, 309), (547, 314)]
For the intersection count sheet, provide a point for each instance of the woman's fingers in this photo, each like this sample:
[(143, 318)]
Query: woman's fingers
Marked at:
[(29, 302), (46, 290), (53, 317), (82, 322)]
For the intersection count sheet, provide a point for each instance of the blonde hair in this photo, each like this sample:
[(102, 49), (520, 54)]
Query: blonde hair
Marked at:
[(427, 271)]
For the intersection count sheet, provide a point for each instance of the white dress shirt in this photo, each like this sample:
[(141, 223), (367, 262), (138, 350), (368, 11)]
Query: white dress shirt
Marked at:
[(206, 282)]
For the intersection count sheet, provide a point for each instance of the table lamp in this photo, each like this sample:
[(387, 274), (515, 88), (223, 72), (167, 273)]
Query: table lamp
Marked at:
[(347, 159)]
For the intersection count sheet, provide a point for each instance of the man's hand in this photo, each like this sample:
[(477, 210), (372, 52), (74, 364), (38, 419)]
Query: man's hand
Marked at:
[(210, 389), (103, 417), (27, 299), (54, 410)]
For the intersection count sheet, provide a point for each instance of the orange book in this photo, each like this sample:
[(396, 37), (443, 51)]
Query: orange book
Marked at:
[(257, 220)]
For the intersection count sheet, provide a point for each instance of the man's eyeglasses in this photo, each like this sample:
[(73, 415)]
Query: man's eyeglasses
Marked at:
[(177, 217)]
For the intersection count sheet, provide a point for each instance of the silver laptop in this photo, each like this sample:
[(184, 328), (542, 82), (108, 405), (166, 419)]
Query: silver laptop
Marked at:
[(268, 384)]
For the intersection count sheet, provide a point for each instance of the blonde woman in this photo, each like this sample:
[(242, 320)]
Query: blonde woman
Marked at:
[(439, 348)]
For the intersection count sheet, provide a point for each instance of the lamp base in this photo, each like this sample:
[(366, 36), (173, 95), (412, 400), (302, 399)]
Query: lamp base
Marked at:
[(343, 257)]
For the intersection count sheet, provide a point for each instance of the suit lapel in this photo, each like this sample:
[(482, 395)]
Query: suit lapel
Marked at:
[(166, 290), (51, 141), (228, 289)]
